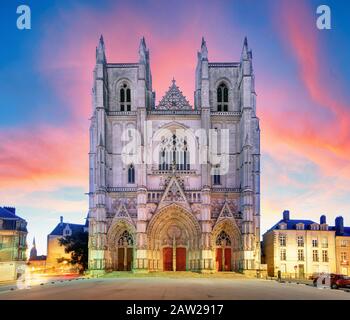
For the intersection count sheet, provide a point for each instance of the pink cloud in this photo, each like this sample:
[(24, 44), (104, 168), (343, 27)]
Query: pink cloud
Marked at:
[(307, 132)]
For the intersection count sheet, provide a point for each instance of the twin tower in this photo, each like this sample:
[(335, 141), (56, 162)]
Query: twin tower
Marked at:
[(174, 187)]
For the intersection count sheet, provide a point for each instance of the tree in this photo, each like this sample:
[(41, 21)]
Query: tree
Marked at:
[(77, 246)]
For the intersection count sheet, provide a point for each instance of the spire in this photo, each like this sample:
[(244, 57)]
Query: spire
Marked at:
[(245, 53), (100, 51), (204, 50), (33, 253), (143, 50)]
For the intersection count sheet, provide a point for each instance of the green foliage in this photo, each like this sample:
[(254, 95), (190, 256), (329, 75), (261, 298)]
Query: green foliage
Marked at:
[(77, 246)]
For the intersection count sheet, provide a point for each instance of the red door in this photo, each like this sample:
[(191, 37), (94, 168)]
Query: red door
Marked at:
[(167, 259), (218, 259), (180, 259), (227, 259)]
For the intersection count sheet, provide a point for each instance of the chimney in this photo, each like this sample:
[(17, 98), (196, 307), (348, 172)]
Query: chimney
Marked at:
[(61, 220), (286, 215), (323, 219), (339, 225)]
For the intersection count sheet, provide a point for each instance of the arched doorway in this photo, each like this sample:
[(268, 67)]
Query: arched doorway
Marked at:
[(125, 252), (223, 252), (226, 244), (173, 240), (121, 242)]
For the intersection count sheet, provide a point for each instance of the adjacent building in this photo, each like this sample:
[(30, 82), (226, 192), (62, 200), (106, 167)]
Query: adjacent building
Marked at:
[(299, 248), (57, 259), (174, 205), (342, 246), (13, 245)]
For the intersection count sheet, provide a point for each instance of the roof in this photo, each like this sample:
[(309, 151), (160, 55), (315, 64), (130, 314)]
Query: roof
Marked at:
[(346, 231), (9, 213), (58, 231), (291, 224), (9, 217)]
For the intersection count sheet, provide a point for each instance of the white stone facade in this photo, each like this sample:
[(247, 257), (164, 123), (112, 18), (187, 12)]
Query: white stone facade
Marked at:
[(167, 207)]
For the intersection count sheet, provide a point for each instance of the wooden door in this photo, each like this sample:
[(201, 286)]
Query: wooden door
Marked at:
[(180, 259), (218, 259), (167, 259), (227, 259), (120, 259), (129, 259)]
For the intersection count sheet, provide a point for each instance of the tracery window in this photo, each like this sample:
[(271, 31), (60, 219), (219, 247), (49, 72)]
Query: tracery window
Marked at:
[(126, 238), (131, 174), (174, 153), (125, 98), (223, 239), (222, 97)]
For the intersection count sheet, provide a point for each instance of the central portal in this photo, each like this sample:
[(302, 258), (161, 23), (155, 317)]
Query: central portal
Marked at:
[(174, 263), (173, 239)]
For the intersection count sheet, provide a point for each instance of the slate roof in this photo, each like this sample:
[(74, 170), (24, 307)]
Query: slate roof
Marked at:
[(346, 231), (9, 217), (9, 213), (291, 224), (58, 231)]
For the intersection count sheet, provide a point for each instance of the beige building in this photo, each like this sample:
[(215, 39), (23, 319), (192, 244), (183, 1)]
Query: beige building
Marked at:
[(299, 248), (57, 259), (13, 245), (342, 242)]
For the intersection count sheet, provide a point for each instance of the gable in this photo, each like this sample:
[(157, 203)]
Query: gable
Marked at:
[(174, 99), (173, 193)]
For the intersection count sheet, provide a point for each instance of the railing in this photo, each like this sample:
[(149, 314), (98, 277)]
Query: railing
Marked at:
[(223, 64), (225, 113), (121, 189), (122, 113), (170, 112), (183, 172)]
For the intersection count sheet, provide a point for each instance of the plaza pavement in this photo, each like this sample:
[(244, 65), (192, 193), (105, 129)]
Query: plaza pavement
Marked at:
[(171, 286)]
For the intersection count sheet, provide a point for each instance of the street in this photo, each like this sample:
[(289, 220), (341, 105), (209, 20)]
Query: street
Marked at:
[(170, 288)]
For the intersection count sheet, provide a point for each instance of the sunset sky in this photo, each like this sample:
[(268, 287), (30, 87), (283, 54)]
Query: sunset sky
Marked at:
[(302, 83)]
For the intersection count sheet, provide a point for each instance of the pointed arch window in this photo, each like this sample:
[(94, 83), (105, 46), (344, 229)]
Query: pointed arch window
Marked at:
[(125, 97), (222, 97), (217, 176), (131, 174), (223, 239)]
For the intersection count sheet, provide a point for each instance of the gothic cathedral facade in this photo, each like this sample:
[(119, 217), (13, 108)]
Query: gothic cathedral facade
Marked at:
[(174, 187)]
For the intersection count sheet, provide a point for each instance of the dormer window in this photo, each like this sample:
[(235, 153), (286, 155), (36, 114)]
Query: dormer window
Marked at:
[(67, 232), (324, 227), (282, 226), (125, 98), (222, 97), (300, 226), (314, 226)]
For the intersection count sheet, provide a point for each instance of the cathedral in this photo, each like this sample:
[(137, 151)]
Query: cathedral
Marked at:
[(174, 186)]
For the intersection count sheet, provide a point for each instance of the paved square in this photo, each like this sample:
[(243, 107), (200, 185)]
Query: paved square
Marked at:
[(172, 288)]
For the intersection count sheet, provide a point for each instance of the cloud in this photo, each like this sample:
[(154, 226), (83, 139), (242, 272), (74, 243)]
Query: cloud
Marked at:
[(318, 130), (43, 157)]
